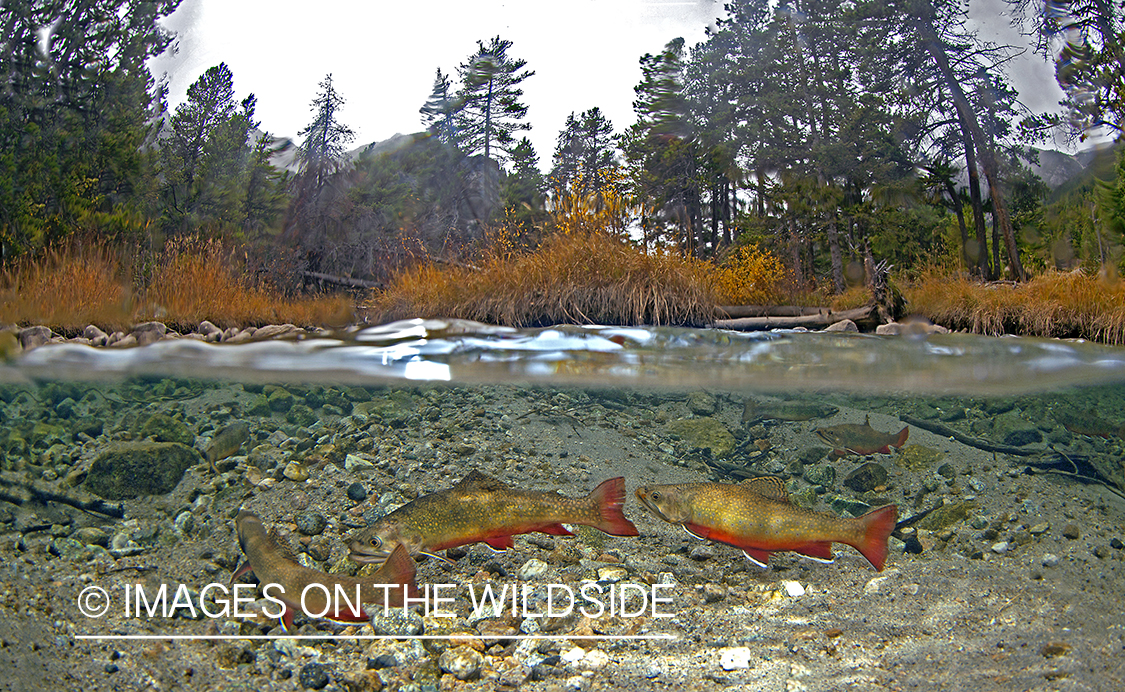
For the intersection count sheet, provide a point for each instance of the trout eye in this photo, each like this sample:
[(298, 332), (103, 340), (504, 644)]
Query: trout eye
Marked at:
[(655, 495), (376, 542)]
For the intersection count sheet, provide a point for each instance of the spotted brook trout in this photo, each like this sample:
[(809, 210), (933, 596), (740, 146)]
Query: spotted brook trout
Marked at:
[(226, 442), (272, 563), (861, 439), (757, 517), (483, 509)]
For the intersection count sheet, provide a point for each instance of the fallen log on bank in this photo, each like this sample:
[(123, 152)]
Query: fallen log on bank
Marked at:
[(865, 318), (736, 311)]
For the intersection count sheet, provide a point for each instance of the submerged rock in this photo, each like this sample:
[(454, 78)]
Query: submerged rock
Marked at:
[(867, 477), (164, 428), (130, 469), (705, 433)]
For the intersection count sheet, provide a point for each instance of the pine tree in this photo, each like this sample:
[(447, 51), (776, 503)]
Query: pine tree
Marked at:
[(586, 152), (77, 105), (522, 189), (439, 109), (489, 99), (321, 156)]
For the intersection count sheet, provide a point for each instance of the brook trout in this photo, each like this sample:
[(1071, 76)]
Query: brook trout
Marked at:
[(757, 517), (483, 509), (272, 563), (226, 442), (861, 439)]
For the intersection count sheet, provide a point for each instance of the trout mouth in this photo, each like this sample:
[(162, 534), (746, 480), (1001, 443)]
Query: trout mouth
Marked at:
[(649, 497), (369, 551)]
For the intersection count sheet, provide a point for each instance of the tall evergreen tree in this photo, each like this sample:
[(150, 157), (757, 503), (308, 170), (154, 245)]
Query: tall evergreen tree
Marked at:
[(439, 109), (522, 188), (206, 155), (76, 107), (321, 155), (586, 152), (490, 110)]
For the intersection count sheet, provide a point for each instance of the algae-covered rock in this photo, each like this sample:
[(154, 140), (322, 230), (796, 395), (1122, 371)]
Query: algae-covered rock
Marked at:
[(280, 399), (822, 475), (701, 403), (164, 428), (867, 477), (301, 415), (917, 457), (705, 433), (947, 515), (130, 469), (1012, 429)]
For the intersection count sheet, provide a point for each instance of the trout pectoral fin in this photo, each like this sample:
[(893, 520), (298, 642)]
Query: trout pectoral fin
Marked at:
[(437, 557), (499, 543), (700, 532), (244, 569), (287, 619), (555, 530), (760, 558)]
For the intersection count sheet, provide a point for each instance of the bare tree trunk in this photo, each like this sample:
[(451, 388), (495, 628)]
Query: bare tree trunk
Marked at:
[(980, 257), (925, 25)]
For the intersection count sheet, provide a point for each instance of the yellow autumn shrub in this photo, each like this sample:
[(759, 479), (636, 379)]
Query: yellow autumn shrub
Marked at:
[(749, 276)]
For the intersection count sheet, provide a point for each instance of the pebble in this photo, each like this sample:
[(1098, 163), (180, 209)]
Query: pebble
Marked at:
[(295, 471), (310, 523), (395, 623), (1071, 531), (1039, 529), (313, 676), (793, 589), (356, 492), (463, 662), (532, 569), (735, 658), (702, 552), (712, 593), (1000, 548), (612, 575), (1050, 560), (573, 655)]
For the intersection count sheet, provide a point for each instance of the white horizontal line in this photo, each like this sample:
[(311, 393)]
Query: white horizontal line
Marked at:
[(376, 636)]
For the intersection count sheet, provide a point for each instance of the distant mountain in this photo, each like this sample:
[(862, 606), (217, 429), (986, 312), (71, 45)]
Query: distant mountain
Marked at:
[(1056, 167), (286, 156)]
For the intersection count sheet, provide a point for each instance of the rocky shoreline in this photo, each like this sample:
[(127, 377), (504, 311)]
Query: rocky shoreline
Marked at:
[(1011, 578)]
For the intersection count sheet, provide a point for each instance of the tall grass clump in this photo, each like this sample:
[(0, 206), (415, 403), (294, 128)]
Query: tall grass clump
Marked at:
[(1054, 304), (581, 276), (68, 288), (189, 281), (195, 280)]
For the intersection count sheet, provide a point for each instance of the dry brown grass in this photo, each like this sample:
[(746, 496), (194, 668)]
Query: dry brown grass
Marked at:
[(577, 277), (1055, 304), (84, 284)]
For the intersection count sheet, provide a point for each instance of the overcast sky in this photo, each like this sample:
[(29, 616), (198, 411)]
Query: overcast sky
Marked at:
[(382, 55)]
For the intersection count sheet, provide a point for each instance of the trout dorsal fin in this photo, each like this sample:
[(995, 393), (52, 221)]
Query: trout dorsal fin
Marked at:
[(767, 486), (477, 479)]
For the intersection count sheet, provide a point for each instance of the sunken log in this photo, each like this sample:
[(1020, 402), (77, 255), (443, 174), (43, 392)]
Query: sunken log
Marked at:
[(341, 280), (865, 318)]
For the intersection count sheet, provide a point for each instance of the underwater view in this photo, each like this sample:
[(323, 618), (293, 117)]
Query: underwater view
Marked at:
[(573, 508)]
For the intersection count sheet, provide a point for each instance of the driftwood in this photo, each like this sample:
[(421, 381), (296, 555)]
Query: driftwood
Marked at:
[(20, 492), (865, 316), (341, 280), (736, 311), (946, 431)]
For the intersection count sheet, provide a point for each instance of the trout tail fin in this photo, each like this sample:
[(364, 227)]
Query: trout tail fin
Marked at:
[(399, 569), (877, 527), (901, 439), (609, 498)]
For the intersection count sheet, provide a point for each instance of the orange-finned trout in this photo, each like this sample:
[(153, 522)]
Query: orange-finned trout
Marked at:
[(757, 517), (483, 509), (332, 595), (861, 439)]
